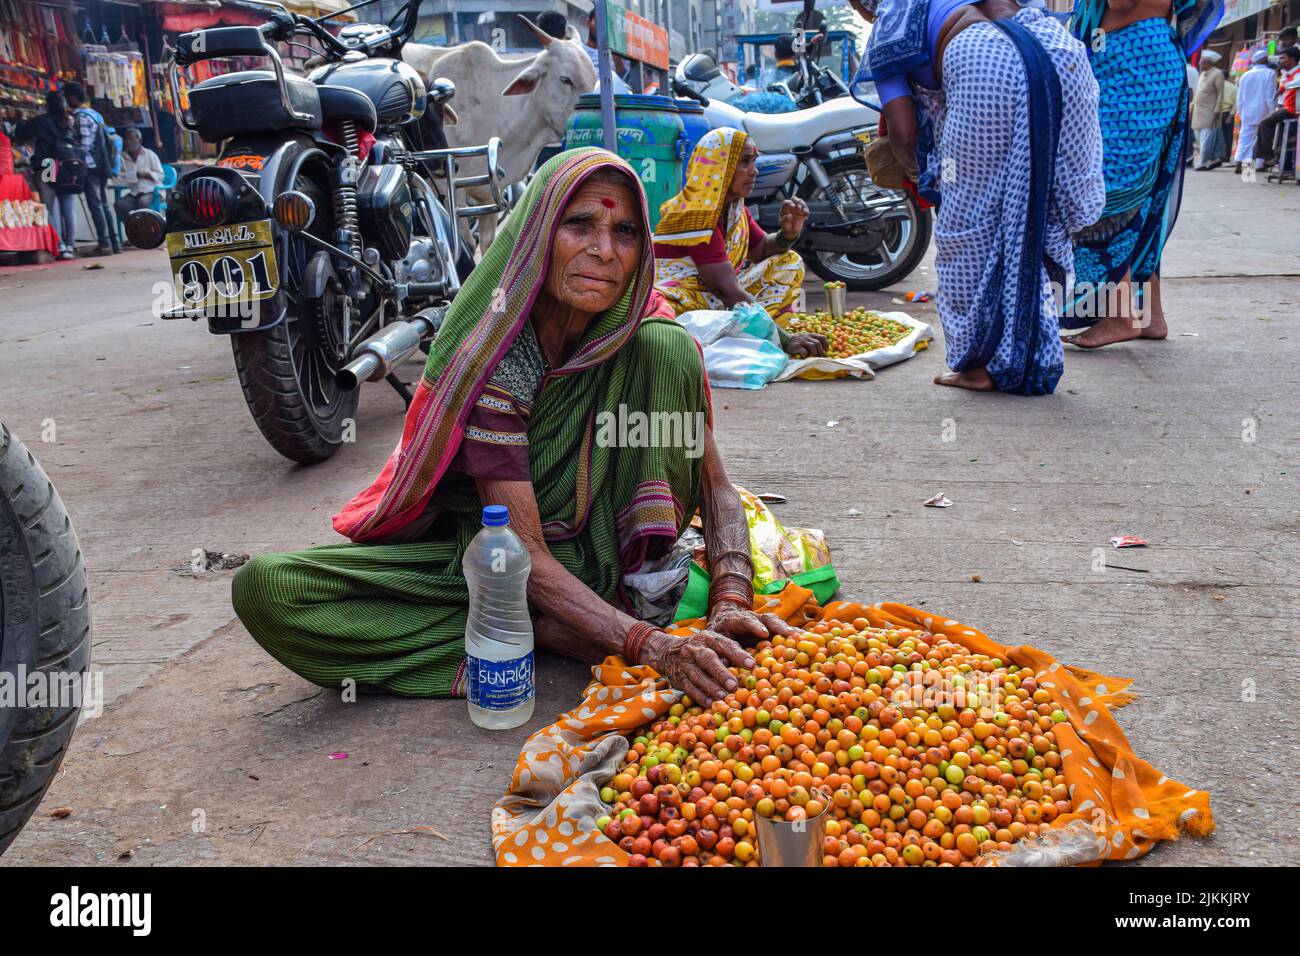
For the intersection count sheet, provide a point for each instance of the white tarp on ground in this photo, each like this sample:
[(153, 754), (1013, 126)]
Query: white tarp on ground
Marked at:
[(863, 365)]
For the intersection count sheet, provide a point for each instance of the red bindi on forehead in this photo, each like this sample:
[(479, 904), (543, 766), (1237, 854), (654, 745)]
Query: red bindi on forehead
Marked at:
[(607, 202)]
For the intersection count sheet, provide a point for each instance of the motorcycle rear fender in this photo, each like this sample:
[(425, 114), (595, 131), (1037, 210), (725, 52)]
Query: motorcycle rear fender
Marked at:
[(272, 161), (271, 164), (842, 144)]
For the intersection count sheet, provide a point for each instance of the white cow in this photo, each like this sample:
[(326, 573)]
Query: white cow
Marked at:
[(526, 101)]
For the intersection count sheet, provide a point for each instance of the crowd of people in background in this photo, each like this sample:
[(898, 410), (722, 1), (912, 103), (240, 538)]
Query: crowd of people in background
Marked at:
[(75, 153), (1285, 109), (1253, 109)]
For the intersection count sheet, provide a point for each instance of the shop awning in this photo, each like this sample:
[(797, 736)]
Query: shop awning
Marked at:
[(321, 8), (181, 16), (1234, 10)]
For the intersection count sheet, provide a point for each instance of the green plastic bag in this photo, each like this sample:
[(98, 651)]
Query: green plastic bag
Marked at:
[(822, 581)]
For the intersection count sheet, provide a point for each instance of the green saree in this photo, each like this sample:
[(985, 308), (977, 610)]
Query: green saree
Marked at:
[(389, 609)]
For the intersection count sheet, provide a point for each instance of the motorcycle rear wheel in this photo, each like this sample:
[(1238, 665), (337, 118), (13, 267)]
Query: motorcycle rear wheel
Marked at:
[(44, 630), (287, 371), (906, 239)]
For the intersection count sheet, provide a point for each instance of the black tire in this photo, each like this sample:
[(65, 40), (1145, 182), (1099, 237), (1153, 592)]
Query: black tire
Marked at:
[(299, 409), (874, 271), (44, 627)]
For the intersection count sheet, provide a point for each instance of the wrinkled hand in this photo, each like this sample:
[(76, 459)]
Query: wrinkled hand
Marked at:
[(806, 344), (698, 664), (741, 624), (794, 213)]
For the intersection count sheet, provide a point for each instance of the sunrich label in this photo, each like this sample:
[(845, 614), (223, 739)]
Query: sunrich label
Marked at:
[(499, 685)]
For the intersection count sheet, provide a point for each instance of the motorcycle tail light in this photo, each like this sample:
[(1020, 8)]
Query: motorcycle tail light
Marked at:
[(211, 201), (294, 211)]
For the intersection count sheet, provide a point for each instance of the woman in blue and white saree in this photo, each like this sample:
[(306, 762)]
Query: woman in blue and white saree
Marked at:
[(994, 108)]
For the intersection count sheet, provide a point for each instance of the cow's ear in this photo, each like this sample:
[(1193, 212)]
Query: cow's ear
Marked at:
[(449, 117), (524, 83)]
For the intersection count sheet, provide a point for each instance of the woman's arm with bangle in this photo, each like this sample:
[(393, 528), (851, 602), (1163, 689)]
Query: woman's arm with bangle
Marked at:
[(726, 540), (576, 623), (720, 279), (726, 532), (900, 115), (592, 628)]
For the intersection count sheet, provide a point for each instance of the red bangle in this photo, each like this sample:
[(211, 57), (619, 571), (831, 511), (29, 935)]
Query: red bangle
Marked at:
[(737, 591), (739, 600), (635, 641)]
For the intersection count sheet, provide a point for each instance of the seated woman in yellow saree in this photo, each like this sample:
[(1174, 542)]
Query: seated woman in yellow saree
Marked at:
[(711, 254)]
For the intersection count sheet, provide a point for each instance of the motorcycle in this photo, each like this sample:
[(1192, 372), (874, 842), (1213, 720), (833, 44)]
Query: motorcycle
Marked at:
[(857, 232), (811, 83), (320, 241)]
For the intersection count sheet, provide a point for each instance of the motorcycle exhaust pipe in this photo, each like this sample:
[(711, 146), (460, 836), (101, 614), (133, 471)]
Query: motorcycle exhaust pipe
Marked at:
[(388, 348)]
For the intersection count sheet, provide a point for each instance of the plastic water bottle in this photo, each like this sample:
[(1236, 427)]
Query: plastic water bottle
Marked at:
[(500, 688)]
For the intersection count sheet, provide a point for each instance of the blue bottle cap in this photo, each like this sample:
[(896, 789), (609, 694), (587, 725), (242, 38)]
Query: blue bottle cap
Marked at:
[(496, 516)]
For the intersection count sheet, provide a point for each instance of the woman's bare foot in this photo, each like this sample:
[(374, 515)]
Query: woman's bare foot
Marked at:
[(1155, 328), (976, 380), (1108, 331)]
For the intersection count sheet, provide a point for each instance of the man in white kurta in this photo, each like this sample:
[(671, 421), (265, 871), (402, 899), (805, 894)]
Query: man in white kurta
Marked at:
[(1205, 108), (1256, 95)]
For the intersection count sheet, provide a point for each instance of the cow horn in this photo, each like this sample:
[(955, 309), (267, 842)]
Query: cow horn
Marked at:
[(543, 37)]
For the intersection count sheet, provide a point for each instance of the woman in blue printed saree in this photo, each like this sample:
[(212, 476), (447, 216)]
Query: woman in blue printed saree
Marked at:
[(1138, 51), (993, 106)]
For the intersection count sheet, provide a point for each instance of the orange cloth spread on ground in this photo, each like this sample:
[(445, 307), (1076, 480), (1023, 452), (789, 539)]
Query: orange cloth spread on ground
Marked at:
[(547, 816)]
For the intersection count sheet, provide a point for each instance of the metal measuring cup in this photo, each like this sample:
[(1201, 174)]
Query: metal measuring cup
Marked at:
[(836, 299), (792, 843)]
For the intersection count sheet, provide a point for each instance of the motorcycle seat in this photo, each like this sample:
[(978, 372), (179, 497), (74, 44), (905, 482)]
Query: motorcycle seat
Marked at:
[(249, 101), (781, 132), (345, 103)]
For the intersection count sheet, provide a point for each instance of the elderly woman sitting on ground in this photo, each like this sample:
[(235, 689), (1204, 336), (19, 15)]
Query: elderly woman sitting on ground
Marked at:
[(559, 323), (711, 254)]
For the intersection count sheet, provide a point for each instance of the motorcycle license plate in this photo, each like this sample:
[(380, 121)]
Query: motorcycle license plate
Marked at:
[(224, 265)]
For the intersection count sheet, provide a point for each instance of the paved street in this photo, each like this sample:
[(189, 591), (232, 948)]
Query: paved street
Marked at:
[(208, 751)]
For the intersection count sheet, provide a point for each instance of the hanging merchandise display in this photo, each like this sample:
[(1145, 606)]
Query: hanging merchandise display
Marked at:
[(38, 50), (116, 77)]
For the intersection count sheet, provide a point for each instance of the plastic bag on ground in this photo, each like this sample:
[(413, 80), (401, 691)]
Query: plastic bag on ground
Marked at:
[(746, 320), (743, 362)]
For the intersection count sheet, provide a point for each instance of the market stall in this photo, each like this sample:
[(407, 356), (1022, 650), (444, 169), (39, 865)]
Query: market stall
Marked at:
[(24, 220), (38, 51), (743, 347)]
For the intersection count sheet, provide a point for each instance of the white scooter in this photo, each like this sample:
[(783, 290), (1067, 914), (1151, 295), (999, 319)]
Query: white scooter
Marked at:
[(857, 233)]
